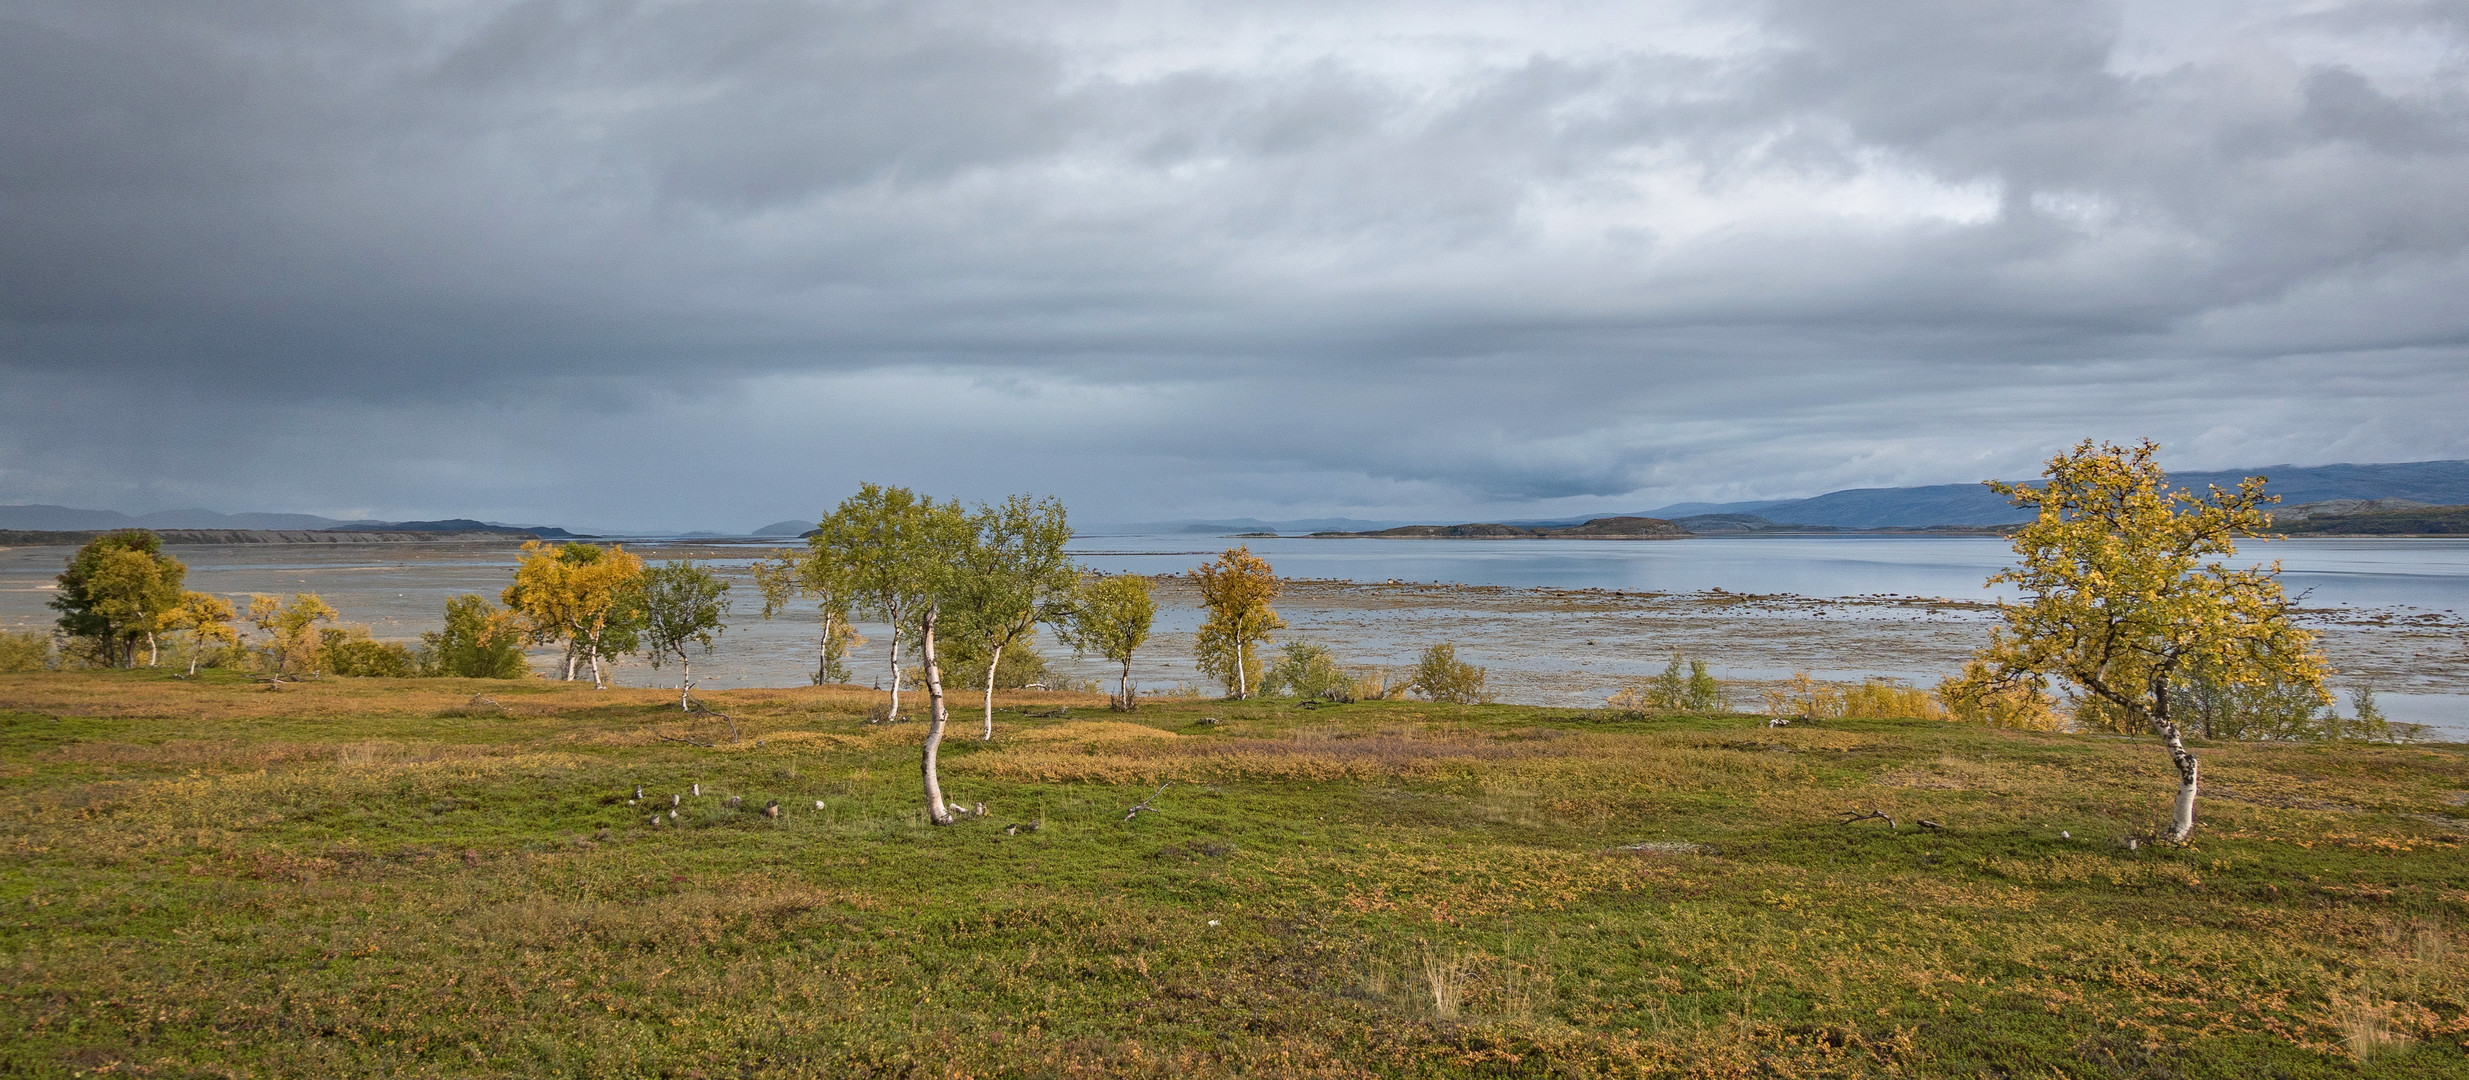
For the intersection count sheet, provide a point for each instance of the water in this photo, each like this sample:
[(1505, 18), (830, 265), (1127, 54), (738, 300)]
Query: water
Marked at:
[(399, 590), (2428, 574)]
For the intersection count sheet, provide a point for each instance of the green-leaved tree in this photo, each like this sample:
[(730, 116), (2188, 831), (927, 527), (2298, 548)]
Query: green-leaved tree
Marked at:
[(116, 592), (1111, 617), (685, 606), (1013, 575)]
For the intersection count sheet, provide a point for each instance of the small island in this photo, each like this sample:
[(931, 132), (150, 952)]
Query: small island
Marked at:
[(1610, 528)]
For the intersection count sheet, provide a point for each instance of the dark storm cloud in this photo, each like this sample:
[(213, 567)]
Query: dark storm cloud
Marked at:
[(683, 264)]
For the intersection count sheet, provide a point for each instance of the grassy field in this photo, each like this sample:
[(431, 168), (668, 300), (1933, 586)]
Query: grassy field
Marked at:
[(369, 877)]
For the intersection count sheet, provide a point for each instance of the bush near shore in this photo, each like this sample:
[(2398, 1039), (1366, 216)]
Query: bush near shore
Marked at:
[(454, 877)]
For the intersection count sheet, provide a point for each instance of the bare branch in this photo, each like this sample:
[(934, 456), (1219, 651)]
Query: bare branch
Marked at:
[(1145, 803)]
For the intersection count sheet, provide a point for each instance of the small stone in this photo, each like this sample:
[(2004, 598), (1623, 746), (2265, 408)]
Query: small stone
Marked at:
[(672, 815), (675, 800), (698, 791), (818, 804), (772, 809)]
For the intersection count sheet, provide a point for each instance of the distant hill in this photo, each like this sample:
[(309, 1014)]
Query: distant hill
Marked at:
[(48, 518), (2379, 518), (1611, 528), (784, 528), (42, 517), (2434, 482), (457, 525)]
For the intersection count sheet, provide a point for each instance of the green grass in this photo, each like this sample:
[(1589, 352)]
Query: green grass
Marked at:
[(376, 877)]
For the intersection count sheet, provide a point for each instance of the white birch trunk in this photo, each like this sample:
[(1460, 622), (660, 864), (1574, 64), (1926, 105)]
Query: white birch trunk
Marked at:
[(574, 653), (896, 663), (823, 650), (1127, 686), (997, 662), (1242, 689), (154, 651), (2182, 823), (936, 811), (685, 682)]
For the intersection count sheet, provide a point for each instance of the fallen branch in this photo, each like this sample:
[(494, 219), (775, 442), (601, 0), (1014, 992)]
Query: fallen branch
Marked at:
[(1144, 803), (700, 709), (1850, 816)]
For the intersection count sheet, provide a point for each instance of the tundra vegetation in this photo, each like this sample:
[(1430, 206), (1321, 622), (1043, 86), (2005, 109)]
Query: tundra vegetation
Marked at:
[(376, 877)]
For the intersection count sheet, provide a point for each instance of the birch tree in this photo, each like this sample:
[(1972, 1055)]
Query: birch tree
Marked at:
[(939, 549), (790, 574), (207, 618), (291, 628), (2125, 592), (884, 545), (1111, 616), (116, 592), (1236, 590), (584, 595), (1013, 575), (684, 604)]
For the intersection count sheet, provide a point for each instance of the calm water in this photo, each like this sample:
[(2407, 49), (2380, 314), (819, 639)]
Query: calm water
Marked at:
[(398, 591)]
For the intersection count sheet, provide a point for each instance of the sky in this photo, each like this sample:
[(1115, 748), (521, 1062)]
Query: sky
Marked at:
[(639, 264)]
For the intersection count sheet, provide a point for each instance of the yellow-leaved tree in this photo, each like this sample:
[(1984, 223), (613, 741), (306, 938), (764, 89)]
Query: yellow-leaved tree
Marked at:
[(585, 595), (291, 627), (1236, 590), (208, 619), (2125, 593)]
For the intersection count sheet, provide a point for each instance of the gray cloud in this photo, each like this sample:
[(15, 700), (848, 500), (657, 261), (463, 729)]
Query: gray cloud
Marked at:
[(687, 265)]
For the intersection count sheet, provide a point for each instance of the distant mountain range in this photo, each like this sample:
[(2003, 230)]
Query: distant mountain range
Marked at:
[(40, 517), (2439, 483)]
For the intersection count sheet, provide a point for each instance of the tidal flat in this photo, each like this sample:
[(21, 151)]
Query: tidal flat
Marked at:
[(2386, 609), (458, 878)]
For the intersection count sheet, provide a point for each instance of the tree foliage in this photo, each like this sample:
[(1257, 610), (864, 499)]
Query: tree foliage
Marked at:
[(480, 641), (24, 650), (293, 643), (1685, 685), (208, 620), (887, 546), (1441, 676), (1308, 670), (2126, 596), (1235, 590), (788, 575), (1012, 575), (685, 606), (1110, 616), (116, 591), (584, 595), (349, 650)]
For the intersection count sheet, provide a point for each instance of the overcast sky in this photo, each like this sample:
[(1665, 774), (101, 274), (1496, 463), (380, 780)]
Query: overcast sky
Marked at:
[(707, 265)]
